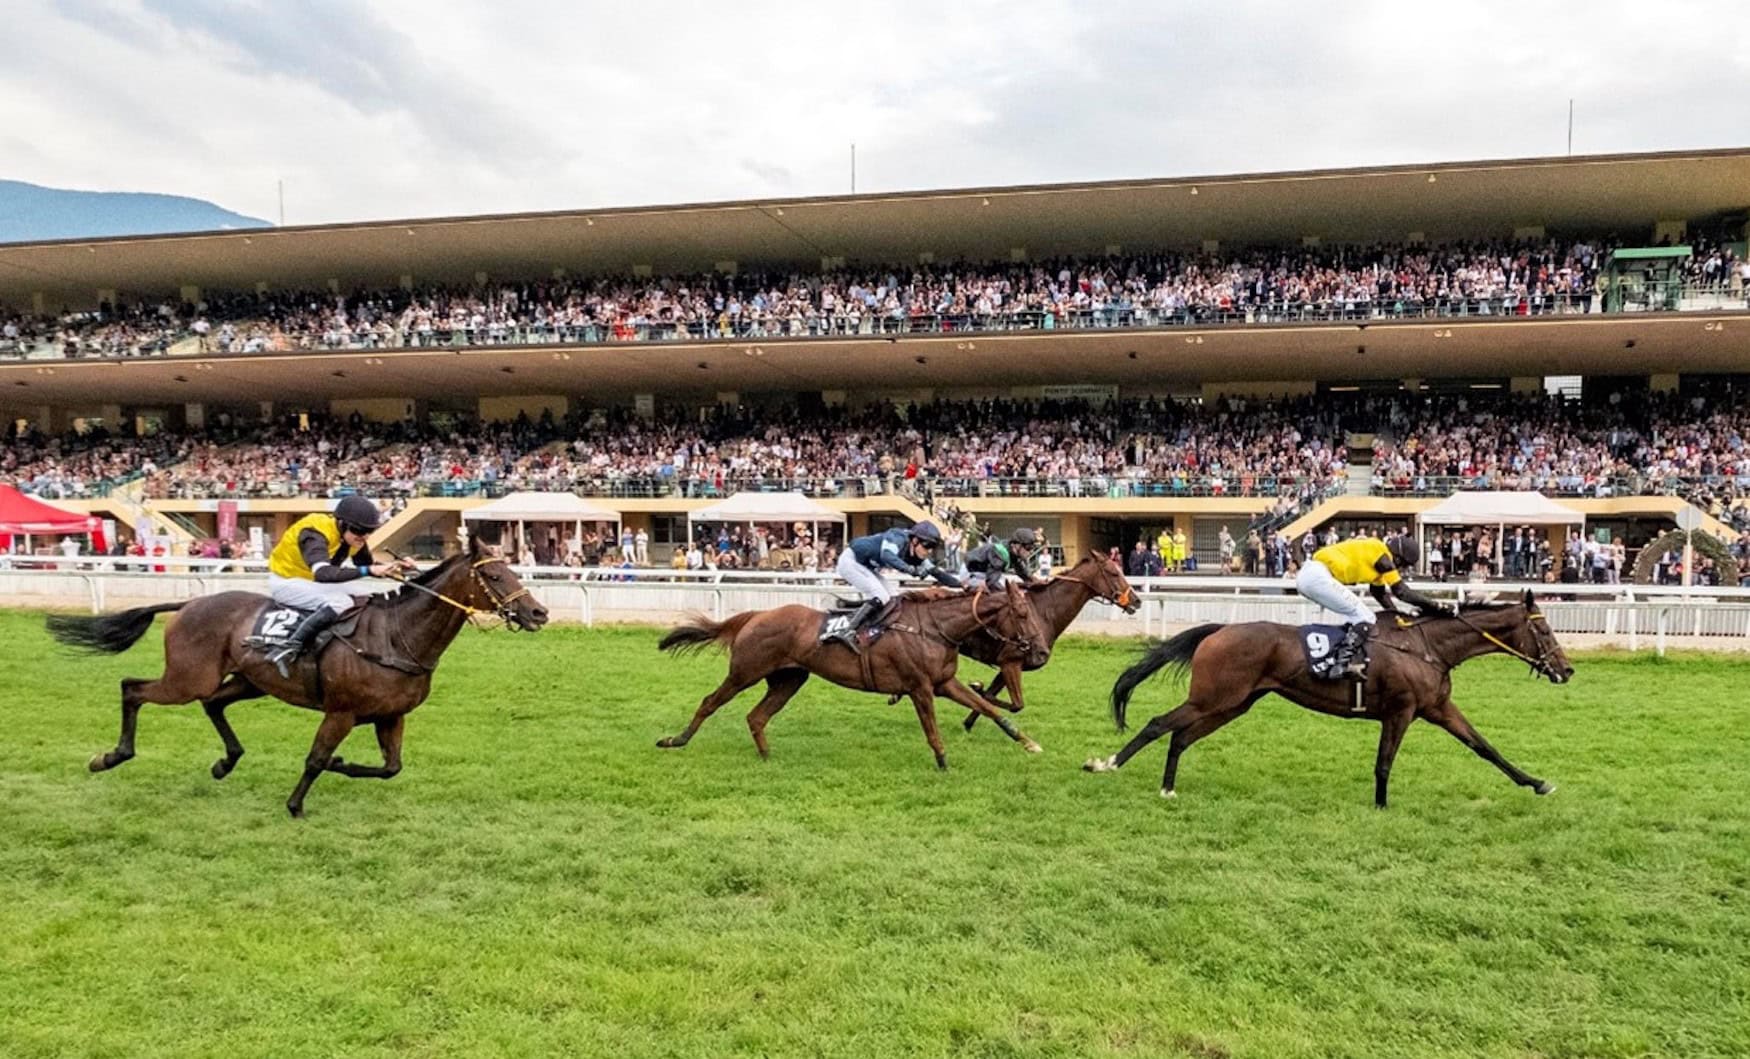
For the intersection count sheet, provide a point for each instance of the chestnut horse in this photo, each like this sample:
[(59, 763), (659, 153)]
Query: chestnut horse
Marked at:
[(375, 674), (1233, 666), (915, 655), (1057, 601)]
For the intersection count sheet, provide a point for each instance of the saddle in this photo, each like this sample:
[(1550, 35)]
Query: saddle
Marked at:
[(274, 624), (837, 621)]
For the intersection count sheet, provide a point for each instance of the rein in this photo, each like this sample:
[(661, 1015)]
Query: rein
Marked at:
[(1120, 601), (1538, 665)]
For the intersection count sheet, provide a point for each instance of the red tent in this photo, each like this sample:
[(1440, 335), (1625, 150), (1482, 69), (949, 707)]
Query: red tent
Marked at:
[(26, 515)]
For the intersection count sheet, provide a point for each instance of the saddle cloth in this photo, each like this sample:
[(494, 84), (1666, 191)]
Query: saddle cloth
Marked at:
[(274, 623), (1319, 642)]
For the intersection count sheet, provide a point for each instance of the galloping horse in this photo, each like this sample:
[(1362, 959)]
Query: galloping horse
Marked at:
[(1056, 601), (916, 655), (376, 673), (1233, 666)]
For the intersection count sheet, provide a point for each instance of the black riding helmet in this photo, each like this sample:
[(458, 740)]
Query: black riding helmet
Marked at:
[(358, 514), (1024, 538), (928, 533), (1405, 552)]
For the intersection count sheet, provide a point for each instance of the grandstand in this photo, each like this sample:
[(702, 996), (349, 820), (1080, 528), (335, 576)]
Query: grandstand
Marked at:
[(1279, 353)]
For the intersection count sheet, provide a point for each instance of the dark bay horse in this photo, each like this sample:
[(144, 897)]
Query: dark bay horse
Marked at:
[(1233, 666), (917, 655), (1056, 600), (375, 674)]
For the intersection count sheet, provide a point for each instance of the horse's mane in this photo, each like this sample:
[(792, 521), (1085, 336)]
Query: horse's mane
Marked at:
[(931, 595), (424, 579), (1488, 605)]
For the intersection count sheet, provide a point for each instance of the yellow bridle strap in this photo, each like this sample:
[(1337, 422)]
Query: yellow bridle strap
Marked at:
[(1503, 645)]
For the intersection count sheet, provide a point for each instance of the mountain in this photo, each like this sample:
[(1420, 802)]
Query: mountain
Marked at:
[(29, 213)]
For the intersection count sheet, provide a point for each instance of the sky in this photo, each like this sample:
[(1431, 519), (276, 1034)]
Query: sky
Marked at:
[(411, 108)]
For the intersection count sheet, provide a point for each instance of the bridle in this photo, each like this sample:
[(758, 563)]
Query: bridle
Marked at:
[(501, 605), (1021, 644), (1540, 666), (1121, 601)]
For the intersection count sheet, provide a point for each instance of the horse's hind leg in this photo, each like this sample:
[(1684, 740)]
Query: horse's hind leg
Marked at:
[(389, 739), (177, 686), (1184, 737), (780, 688), (232, 690), (734, 684), (1182, 716)]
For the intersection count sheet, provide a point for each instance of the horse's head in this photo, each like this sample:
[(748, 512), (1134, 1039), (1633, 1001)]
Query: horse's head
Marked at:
[(1016, 624), (494, 586), (1537, 641), (1107, 582)]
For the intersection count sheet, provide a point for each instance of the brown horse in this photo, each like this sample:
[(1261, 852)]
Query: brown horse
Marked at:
[(1233, 666), (376, 673), (916, 655), (1057, 601)]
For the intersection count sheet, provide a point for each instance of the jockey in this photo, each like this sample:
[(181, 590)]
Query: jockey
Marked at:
[(905, 550), (1362, 561), (315, 562), (994, 558)]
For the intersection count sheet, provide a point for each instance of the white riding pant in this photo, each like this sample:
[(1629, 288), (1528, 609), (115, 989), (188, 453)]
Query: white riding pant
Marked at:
[(1315, 582), (311, 595), (871, 584)]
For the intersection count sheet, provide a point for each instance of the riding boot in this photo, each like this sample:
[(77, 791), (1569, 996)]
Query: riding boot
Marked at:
[(300, 637), (1354, 651), (849, 636)]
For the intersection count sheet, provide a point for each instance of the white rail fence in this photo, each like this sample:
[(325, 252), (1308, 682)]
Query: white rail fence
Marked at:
[(1633, 615)]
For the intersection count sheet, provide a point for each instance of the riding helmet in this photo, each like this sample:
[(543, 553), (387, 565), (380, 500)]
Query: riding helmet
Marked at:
[(1405, 552), (1024, 538), (928, 533), (359, 513)]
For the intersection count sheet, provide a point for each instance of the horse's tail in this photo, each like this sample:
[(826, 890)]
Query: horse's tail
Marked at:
[(109, 633), (701, 632), (1175, 652)]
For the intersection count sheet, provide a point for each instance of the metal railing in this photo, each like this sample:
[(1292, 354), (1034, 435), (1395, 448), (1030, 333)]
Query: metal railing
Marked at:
[(838, 487), (1634, 615), (1562, 485)]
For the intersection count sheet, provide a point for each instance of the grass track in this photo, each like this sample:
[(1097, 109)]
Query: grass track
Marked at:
[(541, 880)]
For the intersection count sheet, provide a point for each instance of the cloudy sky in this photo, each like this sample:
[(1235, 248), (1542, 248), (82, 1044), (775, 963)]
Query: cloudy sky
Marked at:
[(405, 108)]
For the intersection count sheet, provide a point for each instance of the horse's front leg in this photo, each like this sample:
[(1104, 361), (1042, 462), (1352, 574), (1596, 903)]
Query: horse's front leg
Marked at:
[(1008, 676), (1448, 716), (965, 696), (389, 739)]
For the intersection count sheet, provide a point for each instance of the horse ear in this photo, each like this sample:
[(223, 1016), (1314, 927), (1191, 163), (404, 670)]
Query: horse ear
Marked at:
[(474, 545), (1530, 601)]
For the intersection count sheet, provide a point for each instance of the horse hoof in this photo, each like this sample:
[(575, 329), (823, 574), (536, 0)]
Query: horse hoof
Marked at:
[(107, 760), (1546, 787), (1032, 748), (1098, 764), (221, 768), (1165, 793), (667, 742), (297, 811)]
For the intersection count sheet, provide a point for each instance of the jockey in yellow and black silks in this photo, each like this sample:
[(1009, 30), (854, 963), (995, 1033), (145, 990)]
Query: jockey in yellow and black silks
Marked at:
[(312, 567)]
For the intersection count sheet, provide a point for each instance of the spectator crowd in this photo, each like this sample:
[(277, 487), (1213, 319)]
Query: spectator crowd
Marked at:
[(1337, 282)]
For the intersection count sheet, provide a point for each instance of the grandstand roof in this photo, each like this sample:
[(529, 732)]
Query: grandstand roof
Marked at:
[(1441, 201)]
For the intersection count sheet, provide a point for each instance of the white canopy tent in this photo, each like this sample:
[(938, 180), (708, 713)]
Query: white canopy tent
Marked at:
[(523, 508), (754, 508), (1498, 509)]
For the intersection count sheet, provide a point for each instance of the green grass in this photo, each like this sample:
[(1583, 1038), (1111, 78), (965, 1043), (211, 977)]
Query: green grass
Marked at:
[(541, 880)]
